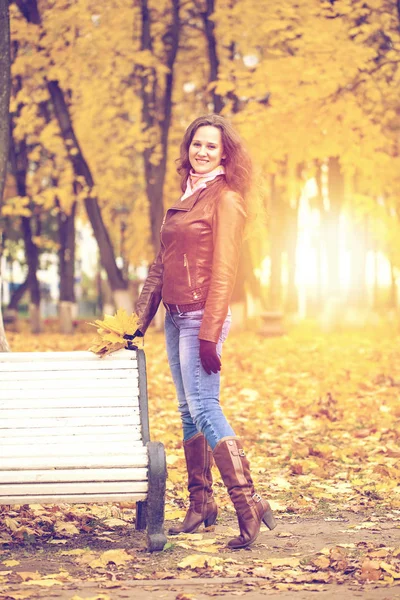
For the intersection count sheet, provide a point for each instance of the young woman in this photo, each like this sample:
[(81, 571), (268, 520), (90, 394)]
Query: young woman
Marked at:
[(193, 275)]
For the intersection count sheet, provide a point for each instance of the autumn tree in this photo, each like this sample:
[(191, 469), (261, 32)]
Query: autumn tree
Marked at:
[(157, 81), (311, 84), (82, 171)]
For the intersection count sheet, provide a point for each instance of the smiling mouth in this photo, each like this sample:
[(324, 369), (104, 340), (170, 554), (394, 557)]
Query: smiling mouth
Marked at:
[(201, 160)]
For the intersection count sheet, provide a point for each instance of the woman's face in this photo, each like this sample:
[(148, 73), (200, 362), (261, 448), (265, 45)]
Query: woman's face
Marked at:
[(206, 150)]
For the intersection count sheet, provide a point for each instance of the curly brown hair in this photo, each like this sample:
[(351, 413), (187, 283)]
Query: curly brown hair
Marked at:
[(237, 162)]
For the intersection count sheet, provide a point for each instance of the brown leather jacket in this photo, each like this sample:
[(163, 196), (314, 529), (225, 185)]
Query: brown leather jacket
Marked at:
[(201, 238)]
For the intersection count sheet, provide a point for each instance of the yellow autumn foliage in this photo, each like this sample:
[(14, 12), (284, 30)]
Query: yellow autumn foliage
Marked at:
[(111, 331), (320, 420), (301, 82)]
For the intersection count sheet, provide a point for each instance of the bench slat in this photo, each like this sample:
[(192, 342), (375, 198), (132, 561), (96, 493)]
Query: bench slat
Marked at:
[(69, 421), (71, 449), (99, 391), (138, 459), (77, 498), (24, 403), (71, 439), (64, 366), (69, 475), (65, 381), (81, 355), (122, 430), (53, 489), (38, 413), (120, 374)]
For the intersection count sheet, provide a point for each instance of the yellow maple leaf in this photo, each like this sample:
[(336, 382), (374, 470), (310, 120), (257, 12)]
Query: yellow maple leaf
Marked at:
[(27, 575), (391, 569), (11, 523), (114, 338), (288, 561), (65, 529), (194, 561), (117, 556), (111, 331)]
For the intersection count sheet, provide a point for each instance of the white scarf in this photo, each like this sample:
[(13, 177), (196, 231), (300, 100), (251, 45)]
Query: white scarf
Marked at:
[(197, 181)]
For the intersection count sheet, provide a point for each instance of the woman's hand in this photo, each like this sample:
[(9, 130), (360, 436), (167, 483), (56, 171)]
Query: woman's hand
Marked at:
[(129, 344), (209, 357)]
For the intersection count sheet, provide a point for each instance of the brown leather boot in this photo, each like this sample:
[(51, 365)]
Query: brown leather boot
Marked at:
[(250, 508), (203, 508)]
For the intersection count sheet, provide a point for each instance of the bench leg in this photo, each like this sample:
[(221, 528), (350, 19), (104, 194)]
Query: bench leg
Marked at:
[(141, 509), (156, 538)]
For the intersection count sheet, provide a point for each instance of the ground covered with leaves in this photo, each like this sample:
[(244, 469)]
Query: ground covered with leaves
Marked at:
[(320, 419)]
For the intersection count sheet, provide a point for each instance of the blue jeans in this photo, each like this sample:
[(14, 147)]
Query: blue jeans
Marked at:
[(198, 392)]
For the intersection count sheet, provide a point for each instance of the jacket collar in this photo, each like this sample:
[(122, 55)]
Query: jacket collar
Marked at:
[(190, 201)]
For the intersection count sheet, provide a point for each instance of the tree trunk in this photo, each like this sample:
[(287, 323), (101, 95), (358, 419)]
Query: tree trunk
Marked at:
[(4, 347), (32, 258), (291, 303), (158, 119), (4, 125), (11, 314), (393, 288), (291, 235), (4, 92), (376, 299), (18, 295), (66, 255), (358, 261), (320, 243), (331, 237), (209, 30), (276, 247), (19, 163)]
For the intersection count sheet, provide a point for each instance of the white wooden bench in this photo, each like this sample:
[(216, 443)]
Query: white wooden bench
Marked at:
[(75, 428)]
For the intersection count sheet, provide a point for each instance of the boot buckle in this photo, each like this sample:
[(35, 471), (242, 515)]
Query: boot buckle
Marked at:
[(256, 497)]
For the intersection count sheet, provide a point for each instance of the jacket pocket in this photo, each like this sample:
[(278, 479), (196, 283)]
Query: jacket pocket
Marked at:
[(187, 267)]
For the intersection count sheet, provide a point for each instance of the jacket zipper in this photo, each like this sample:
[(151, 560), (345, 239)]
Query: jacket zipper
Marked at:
[(186, 264)]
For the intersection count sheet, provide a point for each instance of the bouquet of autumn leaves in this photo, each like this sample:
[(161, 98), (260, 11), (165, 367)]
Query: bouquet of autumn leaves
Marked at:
[(115, 332)]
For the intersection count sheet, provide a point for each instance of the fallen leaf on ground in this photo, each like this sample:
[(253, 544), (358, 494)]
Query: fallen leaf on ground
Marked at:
[(97, 597), (289, 561), (43, 582), (393, 571), (370, 570), (194, 561), (173, 515), (66, 529), (27, 575), (20, 595), (118, 557), (322, 562)]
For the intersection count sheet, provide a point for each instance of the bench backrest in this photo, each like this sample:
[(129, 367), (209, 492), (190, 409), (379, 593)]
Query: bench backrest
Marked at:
[(73, 427)]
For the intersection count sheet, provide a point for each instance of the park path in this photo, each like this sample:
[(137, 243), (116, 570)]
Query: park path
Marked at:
[(296, 540)]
